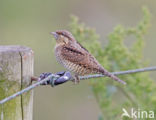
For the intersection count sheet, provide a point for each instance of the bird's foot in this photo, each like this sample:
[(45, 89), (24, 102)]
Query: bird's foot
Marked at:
[(76, 79)]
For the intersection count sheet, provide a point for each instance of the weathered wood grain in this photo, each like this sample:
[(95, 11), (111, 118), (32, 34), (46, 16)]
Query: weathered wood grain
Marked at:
[(16, 68)]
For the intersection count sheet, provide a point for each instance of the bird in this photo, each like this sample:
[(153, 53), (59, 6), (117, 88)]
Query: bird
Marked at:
[(76, 58)]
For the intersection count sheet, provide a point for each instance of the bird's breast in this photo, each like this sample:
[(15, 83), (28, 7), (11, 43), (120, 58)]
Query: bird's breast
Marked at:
[(69, 65), (75, 68)]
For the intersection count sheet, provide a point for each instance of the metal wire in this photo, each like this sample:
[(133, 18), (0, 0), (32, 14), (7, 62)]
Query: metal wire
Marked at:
[(69, 78)]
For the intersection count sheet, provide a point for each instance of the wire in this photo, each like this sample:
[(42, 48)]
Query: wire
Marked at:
[(62, 77)]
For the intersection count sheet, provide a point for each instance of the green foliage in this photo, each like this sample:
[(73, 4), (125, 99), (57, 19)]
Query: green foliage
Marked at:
[(116, 56)]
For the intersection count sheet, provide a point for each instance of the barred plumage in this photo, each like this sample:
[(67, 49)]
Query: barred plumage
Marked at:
[(74, 57)]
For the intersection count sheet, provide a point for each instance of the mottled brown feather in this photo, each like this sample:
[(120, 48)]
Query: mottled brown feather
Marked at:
[(73, 56), (81, 58)]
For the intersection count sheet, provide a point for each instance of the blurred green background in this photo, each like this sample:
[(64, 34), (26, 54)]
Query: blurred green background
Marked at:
[(29, 23)]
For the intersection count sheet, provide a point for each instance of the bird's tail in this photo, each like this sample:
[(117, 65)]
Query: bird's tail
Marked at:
[(105, 72)]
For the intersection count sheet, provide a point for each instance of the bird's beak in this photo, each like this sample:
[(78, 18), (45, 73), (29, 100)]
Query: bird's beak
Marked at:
[(54, 34)]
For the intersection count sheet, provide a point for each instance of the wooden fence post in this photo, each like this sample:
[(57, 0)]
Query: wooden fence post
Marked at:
[(16, 68)]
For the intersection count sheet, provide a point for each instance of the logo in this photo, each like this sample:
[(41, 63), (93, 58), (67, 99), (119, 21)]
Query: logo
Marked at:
[(137, 113)]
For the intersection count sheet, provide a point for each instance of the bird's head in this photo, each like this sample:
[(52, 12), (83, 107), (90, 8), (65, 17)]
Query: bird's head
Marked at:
[(63, 37)]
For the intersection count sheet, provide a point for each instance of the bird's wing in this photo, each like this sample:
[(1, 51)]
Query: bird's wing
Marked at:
[(72, 54), (80, 57)]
